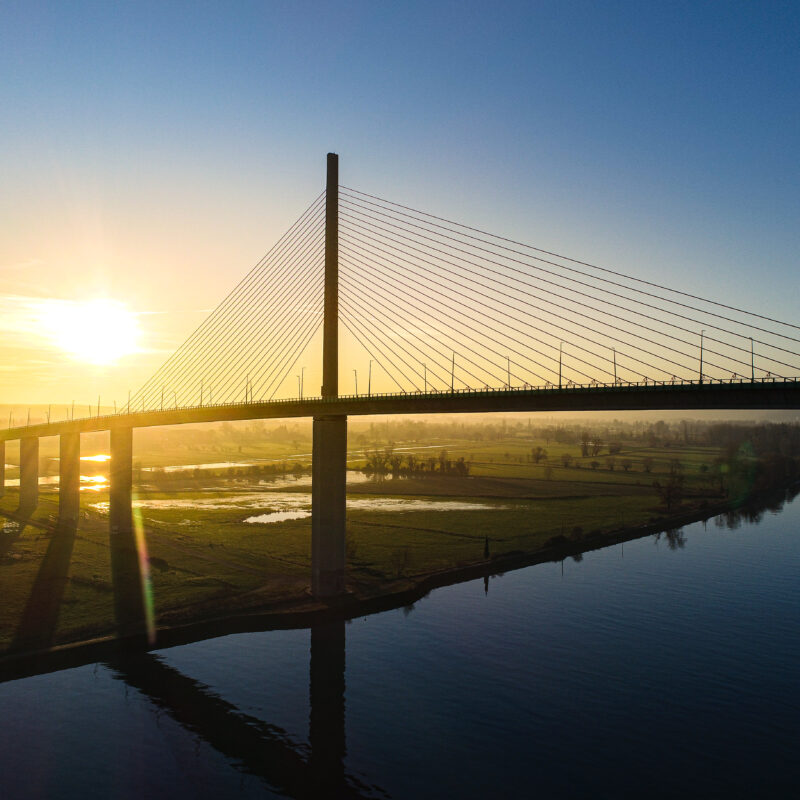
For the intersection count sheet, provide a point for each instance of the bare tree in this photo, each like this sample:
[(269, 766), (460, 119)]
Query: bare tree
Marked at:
[(538, 454), (671, 490)]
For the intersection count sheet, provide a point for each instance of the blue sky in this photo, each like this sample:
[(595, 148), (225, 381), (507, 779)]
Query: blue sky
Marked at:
[(144, 143)]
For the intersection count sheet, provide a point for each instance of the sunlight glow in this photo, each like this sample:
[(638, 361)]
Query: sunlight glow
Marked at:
[(99, 331), (94, 483)]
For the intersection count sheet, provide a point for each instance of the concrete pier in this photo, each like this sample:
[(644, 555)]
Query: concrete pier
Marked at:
[(69, 480), (28, 474), (328, 511), (120, 481), (126, 574)]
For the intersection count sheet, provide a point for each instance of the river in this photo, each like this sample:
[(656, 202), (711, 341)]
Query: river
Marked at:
[(664, 667)]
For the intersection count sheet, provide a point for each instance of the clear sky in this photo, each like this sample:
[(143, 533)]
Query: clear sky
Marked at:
[(150, 153)]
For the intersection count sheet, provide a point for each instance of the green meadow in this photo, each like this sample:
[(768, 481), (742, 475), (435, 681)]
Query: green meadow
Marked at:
[(204, 557)]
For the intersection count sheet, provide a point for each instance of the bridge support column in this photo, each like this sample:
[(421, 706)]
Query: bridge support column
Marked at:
[(125, 567), (328, 506), (120, 481), (28, 474), (69, 477), (2, 469)]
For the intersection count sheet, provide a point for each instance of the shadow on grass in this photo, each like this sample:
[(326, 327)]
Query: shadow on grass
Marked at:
[(39, 618)]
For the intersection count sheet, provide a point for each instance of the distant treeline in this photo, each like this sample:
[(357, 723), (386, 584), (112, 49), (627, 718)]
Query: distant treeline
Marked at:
[(381, 464), (162, 478), (226, 437), (221, 438)]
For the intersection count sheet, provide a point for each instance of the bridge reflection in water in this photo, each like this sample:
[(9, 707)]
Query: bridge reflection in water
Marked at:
[(257, 747)]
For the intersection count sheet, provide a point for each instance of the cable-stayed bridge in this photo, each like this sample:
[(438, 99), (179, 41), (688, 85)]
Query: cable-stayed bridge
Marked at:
[(449, 318)]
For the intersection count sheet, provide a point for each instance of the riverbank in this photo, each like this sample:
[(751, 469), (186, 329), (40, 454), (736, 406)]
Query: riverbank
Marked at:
[(212, 551), (247, 613)]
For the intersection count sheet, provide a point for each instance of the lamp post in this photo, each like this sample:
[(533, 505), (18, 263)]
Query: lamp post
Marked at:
[(702, 334), (369, 380)]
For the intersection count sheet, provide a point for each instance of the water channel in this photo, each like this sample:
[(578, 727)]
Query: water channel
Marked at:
[(664, 667)]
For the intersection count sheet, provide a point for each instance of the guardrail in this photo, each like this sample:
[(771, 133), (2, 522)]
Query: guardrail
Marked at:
[(525, 389)]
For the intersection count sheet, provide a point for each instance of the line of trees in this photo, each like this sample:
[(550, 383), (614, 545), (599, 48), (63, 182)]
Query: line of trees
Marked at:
[(165, 479), (387, 462)]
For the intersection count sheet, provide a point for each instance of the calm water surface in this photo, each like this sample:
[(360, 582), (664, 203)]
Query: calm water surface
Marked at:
[(661, 668)]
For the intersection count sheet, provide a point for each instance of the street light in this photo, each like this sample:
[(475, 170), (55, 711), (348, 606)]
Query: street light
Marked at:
[(369, 380), (702, 334), (355, 377)]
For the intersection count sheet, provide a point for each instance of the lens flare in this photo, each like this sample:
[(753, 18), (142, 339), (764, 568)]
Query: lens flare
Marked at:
[(144, 573)]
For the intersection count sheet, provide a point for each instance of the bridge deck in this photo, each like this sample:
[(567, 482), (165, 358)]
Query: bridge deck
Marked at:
[(768, 394)]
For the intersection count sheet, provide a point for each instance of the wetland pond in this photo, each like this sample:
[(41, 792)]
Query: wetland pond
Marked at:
[(664, 667)]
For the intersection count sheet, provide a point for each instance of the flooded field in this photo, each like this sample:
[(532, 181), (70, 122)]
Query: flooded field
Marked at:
[(281, 506)]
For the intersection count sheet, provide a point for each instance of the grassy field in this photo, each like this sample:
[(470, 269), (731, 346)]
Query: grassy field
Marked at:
[(56, 586)]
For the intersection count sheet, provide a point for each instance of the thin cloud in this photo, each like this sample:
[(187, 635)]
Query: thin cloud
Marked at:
[(19, 265), (176, 311)]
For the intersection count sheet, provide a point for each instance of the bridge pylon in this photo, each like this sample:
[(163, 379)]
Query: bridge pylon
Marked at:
[(126, 575), (28, 474), (69, 480), (329, 451)]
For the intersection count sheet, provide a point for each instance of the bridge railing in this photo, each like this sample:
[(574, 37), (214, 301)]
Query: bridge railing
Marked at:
[(432, 392)]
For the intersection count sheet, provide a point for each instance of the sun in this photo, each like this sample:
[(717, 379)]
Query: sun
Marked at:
[(98, 331)]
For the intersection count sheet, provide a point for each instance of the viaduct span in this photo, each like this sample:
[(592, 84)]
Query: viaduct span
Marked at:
[(330, 411)]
